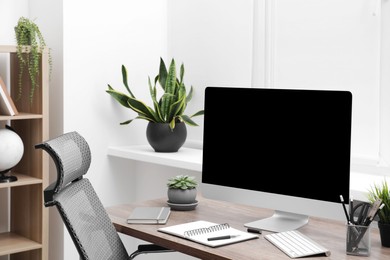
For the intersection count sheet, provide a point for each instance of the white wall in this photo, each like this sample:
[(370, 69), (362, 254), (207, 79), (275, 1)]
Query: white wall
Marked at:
[(214, 40), (100, 36)]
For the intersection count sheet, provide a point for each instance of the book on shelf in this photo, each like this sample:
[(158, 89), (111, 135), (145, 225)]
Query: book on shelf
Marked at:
[(208, 233), (149, 215), (7, 106)]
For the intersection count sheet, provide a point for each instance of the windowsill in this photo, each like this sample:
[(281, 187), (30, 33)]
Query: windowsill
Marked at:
[(185, 158), (191, 159)]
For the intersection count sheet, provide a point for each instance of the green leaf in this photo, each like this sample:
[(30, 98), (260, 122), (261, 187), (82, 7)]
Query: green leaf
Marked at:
[(190, 93), (181, 73), (186, 119), (124, 79), (126, 122), (142, 109), (131, 120), (162, 77), (176, 108), (172, 124), (152, 91), (182, 98), (153, 94), (118, 96), (199, 113), (167, 100)]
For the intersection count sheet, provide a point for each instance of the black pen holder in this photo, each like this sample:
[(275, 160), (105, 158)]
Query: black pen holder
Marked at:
[(358, 240)]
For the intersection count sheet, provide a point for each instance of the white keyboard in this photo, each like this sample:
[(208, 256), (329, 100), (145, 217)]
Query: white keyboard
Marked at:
[(295, 244)]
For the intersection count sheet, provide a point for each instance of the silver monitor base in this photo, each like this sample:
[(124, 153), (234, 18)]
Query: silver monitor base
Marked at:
[(280, 221)]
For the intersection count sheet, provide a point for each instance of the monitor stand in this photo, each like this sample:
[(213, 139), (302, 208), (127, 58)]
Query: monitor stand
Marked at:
[(280, 221)]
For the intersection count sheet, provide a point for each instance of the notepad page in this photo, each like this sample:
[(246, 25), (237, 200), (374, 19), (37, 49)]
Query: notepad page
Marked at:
[(181, 229)]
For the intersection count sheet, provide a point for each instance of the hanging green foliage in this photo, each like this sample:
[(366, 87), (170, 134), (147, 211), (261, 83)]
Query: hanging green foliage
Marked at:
[(30, 45)]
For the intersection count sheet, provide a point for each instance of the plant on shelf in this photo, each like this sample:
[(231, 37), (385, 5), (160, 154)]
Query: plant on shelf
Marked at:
[(182, 189), (182, 182), (170, 106), (382, 192), (30, 45)]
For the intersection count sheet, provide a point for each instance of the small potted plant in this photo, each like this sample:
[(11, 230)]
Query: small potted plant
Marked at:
[(30, 44), (382, 192), (166, 131), (182, 189)]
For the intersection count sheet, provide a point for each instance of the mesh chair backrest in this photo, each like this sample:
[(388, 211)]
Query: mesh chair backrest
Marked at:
[(84, 216), (72, 157), (88, 223)]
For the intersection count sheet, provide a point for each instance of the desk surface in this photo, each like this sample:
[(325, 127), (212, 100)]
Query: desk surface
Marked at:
[(329, 233)]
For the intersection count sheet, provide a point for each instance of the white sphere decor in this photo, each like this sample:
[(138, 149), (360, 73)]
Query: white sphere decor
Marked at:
[(11, 149)]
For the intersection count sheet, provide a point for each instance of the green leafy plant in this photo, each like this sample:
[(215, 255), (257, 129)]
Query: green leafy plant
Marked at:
[(183, 182), (170, 106), (30, 45), (381, 192)]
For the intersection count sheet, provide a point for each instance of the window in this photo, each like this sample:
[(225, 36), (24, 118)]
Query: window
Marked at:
[(331, 45)]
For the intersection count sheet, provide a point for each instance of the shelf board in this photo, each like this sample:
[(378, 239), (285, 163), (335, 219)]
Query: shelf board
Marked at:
[(14, 48), (22, 180), (7, 48), (186, 158), (11, 243), (21, 115)]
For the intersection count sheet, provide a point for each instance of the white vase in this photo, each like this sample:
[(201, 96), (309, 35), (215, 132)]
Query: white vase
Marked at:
[(11, 152)]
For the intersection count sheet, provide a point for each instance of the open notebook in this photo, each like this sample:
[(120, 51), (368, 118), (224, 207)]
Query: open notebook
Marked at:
[(208, 233)]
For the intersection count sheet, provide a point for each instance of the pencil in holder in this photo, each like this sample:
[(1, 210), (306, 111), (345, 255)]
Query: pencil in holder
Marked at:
[(358, 240)]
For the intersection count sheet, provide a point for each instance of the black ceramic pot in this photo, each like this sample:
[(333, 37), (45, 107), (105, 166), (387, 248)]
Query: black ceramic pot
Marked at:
[(164, 139), (384, 231)]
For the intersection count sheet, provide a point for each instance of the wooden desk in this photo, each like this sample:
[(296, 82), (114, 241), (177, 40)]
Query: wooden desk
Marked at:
[(329, 233)]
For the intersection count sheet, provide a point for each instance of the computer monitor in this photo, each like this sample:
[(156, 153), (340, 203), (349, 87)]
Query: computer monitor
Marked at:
[(283, 149)]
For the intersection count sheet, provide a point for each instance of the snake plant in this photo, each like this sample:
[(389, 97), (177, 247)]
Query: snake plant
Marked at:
[(169, 107)]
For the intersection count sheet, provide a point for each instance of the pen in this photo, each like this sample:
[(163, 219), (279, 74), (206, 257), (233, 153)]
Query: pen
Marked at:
[(380, 207), (351, 218), (221, 237), (345, 209), (363, 213), (373, 211), (376, 212)]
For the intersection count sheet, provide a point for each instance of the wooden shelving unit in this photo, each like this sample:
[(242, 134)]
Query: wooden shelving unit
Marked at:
[(27, 238)]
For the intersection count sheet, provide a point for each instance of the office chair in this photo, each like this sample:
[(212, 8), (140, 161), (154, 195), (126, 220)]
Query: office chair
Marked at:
[(80, 208)]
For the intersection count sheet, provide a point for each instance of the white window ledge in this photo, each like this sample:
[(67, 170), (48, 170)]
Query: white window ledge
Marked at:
[(191, 159), (186, 158)]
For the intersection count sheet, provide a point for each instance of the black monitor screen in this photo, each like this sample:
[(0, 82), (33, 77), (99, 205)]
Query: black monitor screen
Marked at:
[(292, 142)]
